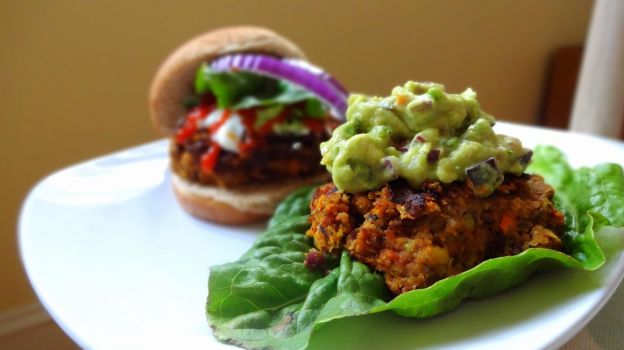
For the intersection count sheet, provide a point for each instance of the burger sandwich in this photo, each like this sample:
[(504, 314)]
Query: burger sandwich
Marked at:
[(245, 113)]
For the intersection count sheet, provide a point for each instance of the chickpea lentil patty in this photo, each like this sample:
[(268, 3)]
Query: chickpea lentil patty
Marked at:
[(417, 237)]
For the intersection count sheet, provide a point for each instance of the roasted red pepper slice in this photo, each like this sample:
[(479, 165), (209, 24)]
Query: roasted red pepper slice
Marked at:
[(190, 124), (250, 142), (209, 159)]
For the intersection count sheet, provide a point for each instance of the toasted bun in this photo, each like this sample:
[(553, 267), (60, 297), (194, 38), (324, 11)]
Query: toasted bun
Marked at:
[(235, 207), (174, 80)]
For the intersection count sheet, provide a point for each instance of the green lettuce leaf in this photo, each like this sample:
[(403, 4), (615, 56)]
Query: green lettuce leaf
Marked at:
[(242, 89), (297, 204), (589, 197), (268, 299)]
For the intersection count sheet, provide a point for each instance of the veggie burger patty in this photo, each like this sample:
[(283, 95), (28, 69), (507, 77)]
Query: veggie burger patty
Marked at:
[(263, 153), (419, 236)]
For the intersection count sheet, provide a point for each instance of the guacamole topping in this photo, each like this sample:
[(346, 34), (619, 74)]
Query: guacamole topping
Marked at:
[(420, 133)]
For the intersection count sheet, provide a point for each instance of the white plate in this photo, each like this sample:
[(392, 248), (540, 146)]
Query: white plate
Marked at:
[(120, 266)]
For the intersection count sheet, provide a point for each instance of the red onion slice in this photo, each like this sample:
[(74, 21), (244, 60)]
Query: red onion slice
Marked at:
[(298, 72)]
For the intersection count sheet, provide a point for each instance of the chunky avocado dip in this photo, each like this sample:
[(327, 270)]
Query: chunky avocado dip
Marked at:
[(420, 133)]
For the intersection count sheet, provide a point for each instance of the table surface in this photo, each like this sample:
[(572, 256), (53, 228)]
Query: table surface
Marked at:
[(118, 264)]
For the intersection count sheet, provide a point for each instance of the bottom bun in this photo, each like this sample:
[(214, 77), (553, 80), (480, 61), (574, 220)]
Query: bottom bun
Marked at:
[(235, 206)]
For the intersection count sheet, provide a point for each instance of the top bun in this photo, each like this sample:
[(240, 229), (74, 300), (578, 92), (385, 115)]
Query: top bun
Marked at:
[(173, 82)]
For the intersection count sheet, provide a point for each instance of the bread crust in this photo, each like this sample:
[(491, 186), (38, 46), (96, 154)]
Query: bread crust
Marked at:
[(235, 206), (174, 79)]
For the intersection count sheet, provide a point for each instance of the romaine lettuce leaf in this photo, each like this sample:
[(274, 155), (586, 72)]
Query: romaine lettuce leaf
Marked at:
[(268, 299)]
